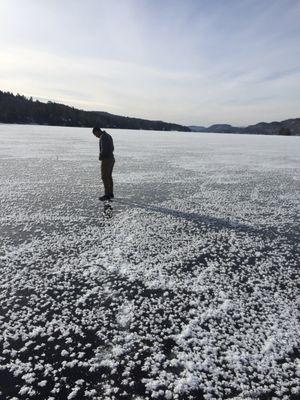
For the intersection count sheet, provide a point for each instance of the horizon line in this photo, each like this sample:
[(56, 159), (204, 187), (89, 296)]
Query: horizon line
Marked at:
[(45, 100)]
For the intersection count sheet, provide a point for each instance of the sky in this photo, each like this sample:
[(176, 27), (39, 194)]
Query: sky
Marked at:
[(193, 62)]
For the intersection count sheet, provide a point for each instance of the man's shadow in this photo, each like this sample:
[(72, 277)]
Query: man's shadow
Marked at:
[(199, 219)]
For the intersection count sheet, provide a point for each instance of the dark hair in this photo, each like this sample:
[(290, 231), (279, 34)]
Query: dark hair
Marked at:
[(96, 129)]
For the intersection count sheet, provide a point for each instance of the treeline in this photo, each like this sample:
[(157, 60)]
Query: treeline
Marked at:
[(18, 109), (287, 127)]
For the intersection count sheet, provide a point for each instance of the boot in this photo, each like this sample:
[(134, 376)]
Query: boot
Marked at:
[(104, 197)]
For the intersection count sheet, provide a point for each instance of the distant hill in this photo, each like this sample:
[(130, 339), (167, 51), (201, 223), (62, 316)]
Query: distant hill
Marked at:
[(196, 128), (216, 128), (286, 127), (17, 109)]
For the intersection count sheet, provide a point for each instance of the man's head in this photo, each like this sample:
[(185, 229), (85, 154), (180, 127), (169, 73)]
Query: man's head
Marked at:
[(97, 131)]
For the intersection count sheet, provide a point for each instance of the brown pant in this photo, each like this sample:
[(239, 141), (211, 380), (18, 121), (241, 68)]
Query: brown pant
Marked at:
[(107, 166)]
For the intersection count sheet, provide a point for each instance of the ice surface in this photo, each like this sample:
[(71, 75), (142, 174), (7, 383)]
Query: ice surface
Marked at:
[(188, 292)]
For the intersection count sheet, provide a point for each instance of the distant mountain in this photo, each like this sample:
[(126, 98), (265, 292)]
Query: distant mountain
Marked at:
[(226, 128), (216, 128), (286, 127), (21, 110), (196, 128)]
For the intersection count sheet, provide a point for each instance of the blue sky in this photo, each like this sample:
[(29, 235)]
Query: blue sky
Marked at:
[(190, 61)]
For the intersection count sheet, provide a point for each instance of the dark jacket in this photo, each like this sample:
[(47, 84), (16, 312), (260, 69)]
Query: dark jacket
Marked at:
[(106, 146)]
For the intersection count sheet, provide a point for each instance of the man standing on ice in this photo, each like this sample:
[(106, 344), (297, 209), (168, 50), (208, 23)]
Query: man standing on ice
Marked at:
[(106, 156)]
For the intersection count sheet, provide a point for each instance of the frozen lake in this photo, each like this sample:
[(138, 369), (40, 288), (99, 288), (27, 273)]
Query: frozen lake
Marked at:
[(187, 292)]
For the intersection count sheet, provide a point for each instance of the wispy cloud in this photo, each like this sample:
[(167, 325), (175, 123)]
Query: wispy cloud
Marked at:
[(193, 62)]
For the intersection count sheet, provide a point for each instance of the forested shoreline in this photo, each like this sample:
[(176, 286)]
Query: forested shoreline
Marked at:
[(18, 109)]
